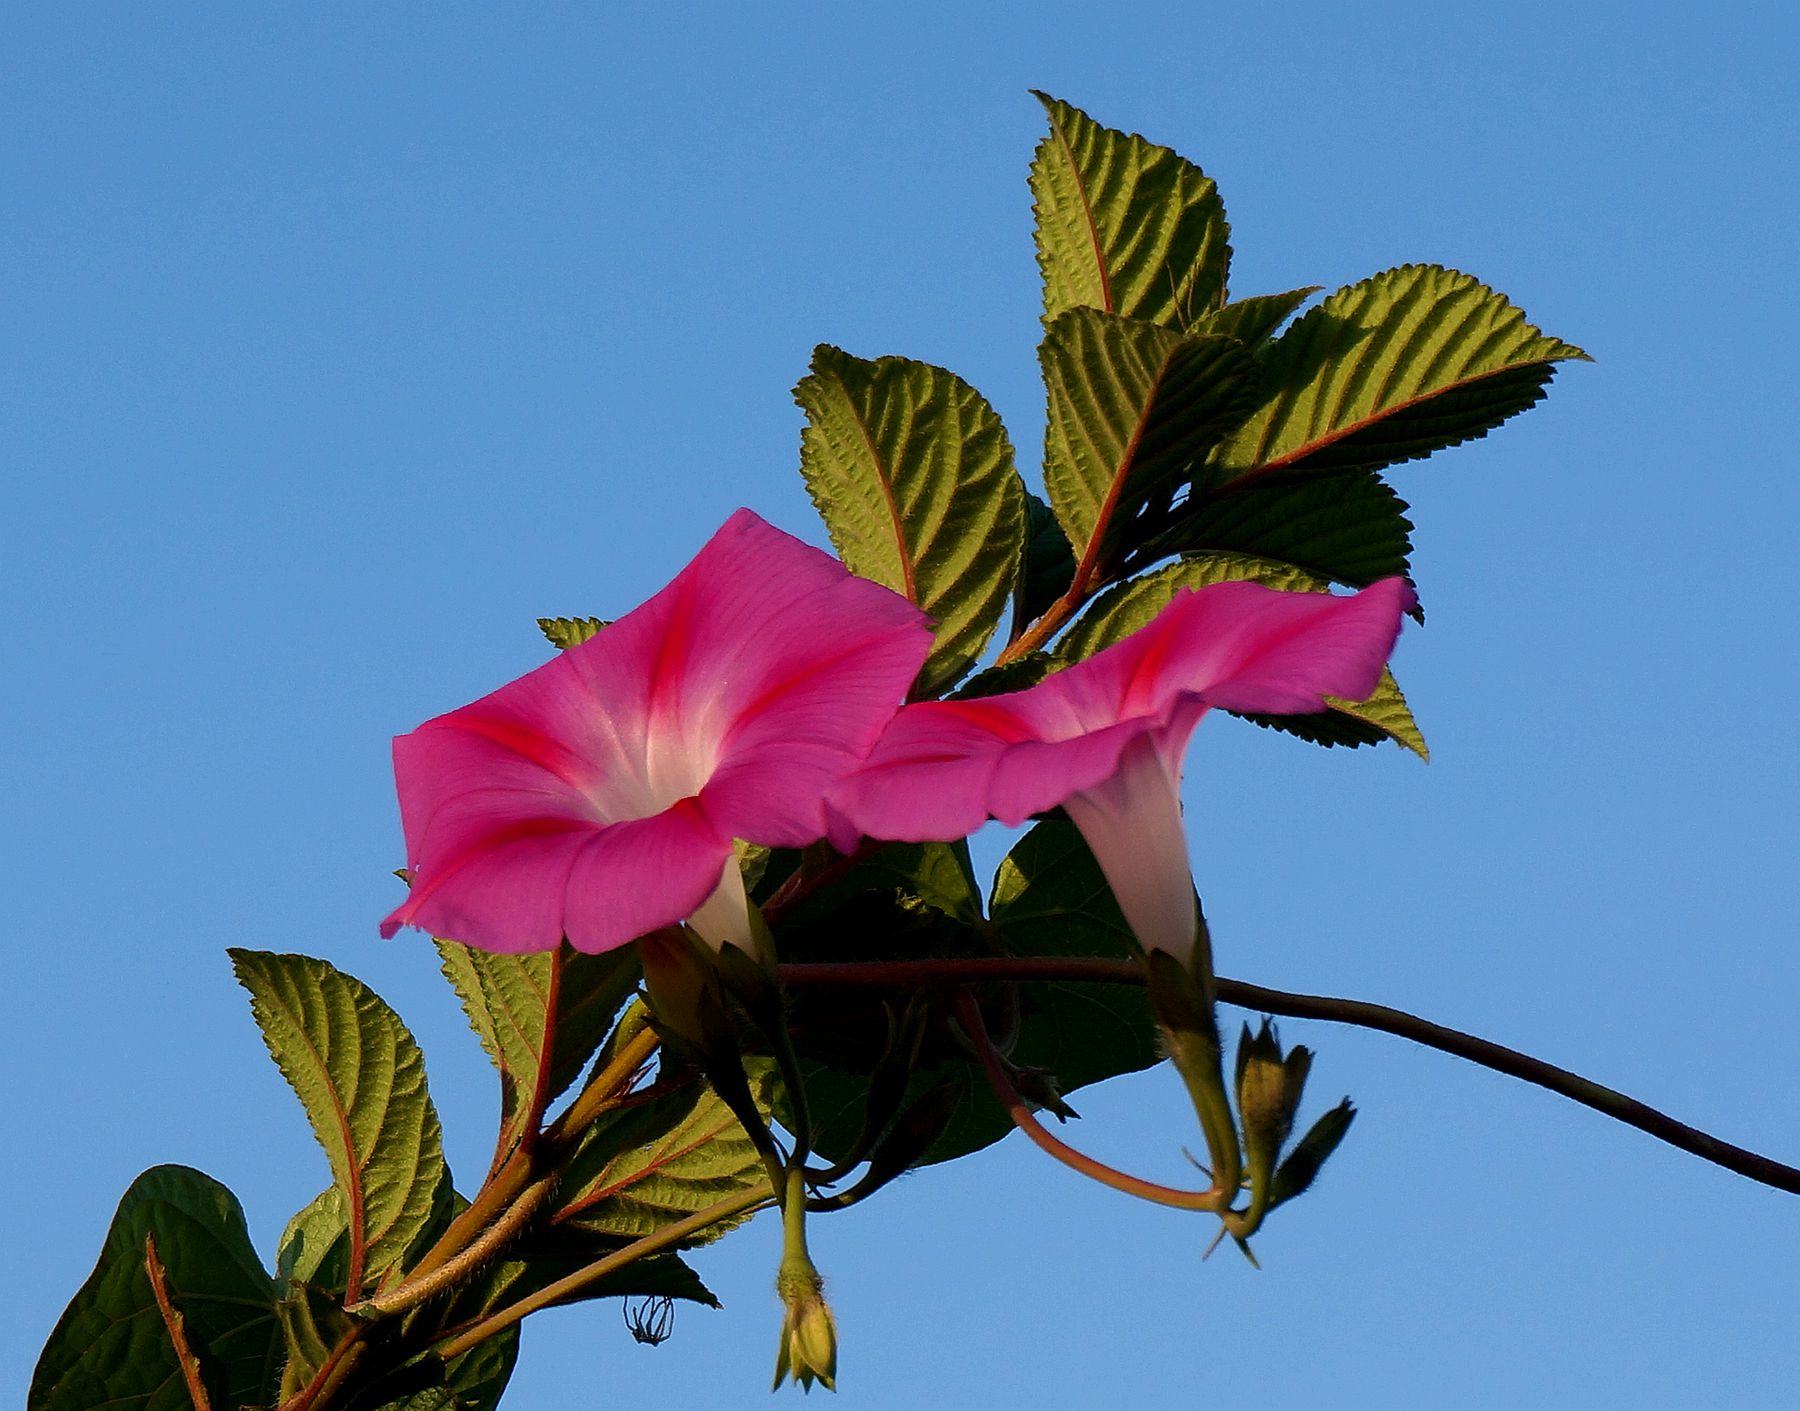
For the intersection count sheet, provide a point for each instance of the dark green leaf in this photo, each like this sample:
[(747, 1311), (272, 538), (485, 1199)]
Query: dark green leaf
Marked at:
[(1017, 675), (1132, 409), (1349, 528), (312, 1323), (1125, 225), (361, 1079), (110, 1348), (1403, 364), (1048, 566), (507, 999), (913, 474), (566, 632)]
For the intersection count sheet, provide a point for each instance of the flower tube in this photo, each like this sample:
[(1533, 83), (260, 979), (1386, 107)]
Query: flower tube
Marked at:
[(597, 797), (1105, 737)]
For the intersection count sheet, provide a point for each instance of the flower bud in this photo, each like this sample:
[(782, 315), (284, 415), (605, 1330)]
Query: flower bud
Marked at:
[(808, 1351), (1268, 1094)]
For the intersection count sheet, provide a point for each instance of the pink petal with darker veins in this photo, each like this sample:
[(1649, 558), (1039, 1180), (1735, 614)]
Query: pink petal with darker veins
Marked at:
[(598, 795)]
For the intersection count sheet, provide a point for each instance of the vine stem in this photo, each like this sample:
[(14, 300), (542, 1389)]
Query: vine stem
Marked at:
[(968, 1014), (1359, 1013), (744, 1202)]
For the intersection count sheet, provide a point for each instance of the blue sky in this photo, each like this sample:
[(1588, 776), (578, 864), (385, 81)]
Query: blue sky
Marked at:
[(342, 343)]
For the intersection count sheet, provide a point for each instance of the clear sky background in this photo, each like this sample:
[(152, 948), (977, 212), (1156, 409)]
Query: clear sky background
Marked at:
[(341, 342)]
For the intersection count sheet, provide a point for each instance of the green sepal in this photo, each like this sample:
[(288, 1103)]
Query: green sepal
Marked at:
[(1303, 1163)]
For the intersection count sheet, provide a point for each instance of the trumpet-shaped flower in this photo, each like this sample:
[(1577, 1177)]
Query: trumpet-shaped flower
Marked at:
[(597, 797), (1105, 737)]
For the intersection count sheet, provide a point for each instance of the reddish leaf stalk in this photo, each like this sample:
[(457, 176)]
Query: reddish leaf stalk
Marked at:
[(176, 1326), (968, 1013)]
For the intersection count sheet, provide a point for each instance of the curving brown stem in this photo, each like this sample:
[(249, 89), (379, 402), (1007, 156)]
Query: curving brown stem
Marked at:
[(1606, 1101), (968, 1014)]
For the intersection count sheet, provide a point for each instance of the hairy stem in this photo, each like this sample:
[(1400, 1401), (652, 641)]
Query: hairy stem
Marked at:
[(176, 1326), (497, 1322)]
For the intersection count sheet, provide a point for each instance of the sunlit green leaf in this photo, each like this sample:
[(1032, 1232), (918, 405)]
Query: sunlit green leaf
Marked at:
[(1125, 225), (1398, 366), (1132, 409), (507, 999), (641, 1167), (913, 474), (361, 1079), (1252, 321), (566, 632)]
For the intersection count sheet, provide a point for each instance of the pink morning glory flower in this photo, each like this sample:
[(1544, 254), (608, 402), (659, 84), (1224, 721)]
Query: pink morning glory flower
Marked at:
[(597, 797), (1105, 737)]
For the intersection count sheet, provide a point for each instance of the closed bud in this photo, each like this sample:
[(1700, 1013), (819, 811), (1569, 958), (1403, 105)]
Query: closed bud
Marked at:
[(1303, 1162), (808, 1351), (1268, 1094)]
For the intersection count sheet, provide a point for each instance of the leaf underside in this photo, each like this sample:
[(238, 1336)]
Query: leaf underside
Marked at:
[(913, 475), (361, 1079), (1125, 225)]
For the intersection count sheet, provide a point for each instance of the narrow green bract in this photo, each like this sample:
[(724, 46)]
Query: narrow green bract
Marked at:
[(913, 474), (1125, 225), (361, 1079)]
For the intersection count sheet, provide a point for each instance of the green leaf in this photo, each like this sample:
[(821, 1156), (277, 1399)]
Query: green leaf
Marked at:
[(312, 1323), (1117, 614), (1125, 225), (566, 632), (110, 1347), (507, 999), (1349, 528), (1393, 368), (913, 474), (1047, 568), (315, 1246), (1252, 321), (1017, 675), (640, 1168), (1132, 409), (361, 1079)]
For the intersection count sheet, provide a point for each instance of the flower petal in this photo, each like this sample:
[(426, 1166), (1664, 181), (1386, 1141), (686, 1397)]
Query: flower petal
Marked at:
[(1132, 824)]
